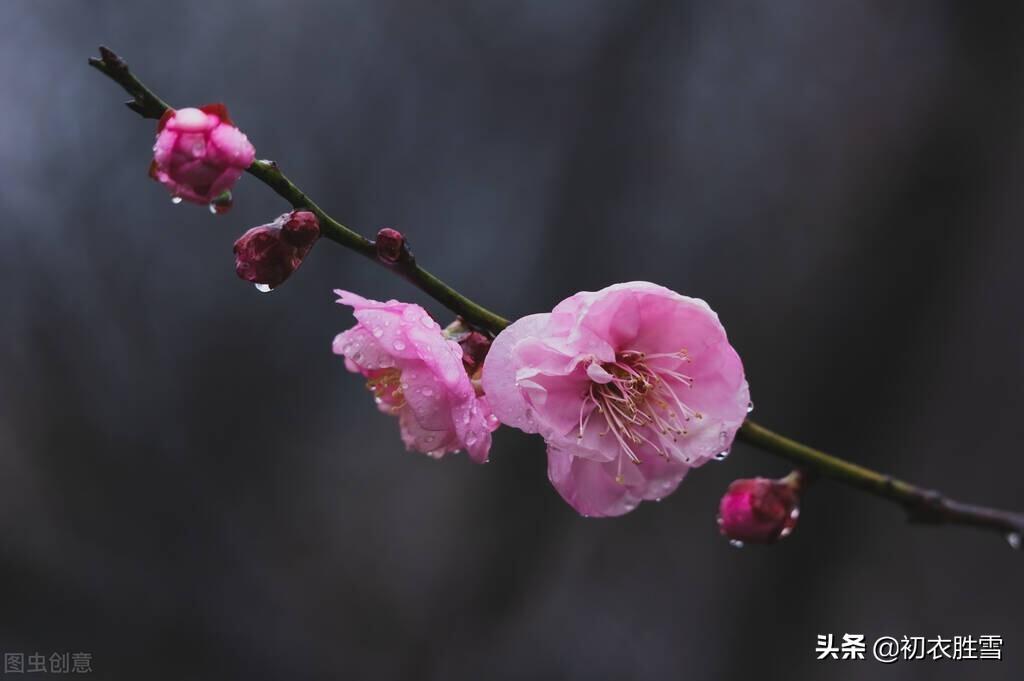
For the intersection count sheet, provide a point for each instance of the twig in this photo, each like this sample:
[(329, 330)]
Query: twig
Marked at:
[(923, 506)]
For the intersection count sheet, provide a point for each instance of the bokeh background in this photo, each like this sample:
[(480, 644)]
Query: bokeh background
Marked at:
[(192, 487)]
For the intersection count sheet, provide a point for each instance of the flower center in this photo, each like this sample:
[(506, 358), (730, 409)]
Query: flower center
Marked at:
[(639, 404), (386, 386)]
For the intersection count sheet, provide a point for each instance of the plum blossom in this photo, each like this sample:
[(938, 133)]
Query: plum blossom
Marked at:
[(416, 374), (268, 254), (760, 510), (631, 387), (199, 153)]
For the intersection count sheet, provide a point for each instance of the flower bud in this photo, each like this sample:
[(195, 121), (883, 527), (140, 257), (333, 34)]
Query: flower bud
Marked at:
[(268, 254), (199, 153), (391, 246), (474, 349), (760, 510)]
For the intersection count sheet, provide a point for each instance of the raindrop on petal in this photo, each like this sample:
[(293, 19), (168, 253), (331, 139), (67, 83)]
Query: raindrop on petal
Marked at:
[(263, 288), (1013, 539), (176, 200)]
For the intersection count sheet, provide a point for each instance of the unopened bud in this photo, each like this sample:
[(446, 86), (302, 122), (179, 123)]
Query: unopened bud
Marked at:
[(267, 255), (391, 246), (474, 349), (760, 510)]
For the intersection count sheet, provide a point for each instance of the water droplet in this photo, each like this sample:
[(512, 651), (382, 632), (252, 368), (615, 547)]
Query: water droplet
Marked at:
[(722, 456), (222, 203), (750, 407), (176, 200), (736, 543), (410, 314), (378, 332), (263, 288), (427, 392), (1013, 539), (427, 321), (399, 345)]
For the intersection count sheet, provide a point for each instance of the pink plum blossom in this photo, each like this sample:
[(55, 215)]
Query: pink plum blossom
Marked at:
[(199, 153), (760, 510), (631, 386), (416, 374)]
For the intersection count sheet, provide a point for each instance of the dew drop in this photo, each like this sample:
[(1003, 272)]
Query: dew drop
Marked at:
[(427, 392), (263, 288), (399, 345), (378, 332), (222, 203), (736, 543), (176, 200), (1013, 539), (722, 456), (750, 407)]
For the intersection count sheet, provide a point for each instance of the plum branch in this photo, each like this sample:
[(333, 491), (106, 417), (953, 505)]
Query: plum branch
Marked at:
[(922, 505)]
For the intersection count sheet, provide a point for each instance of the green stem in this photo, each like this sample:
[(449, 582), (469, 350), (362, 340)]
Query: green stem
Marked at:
[(923, 505)]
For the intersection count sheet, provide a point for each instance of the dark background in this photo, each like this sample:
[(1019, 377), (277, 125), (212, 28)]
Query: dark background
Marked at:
[(192, 487)]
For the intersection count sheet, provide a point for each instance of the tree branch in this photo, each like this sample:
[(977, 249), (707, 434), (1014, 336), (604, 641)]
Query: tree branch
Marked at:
[(923, 506), (148, 105)]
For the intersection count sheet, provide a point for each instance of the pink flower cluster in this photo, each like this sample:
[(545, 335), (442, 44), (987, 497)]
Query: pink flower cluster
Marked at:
[(199, 153), (631, 387)]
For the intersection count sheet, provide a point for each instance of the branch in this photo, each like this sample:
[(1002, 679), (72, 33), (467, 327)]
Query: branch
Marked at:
[(923, 506), (148, 105)]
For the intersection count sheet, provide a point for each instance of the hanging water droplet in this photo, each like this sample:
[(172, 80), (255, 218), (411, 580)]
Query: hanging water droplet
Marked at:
[(736, 543), (722, 456), (1013, 539), (222, 203), (750, 407), (176, 200), (263, 288)]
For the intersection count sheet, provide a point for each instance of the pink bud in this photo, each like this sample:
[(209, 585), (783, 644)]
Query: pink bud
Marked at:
[(391, 245), (268, 254), (760, 510), (199, 153)]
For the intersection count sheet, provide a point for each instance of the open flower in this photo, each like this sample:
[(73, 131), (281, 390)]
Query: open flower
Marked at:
[(199, 153), (416, 374), (631, 386)]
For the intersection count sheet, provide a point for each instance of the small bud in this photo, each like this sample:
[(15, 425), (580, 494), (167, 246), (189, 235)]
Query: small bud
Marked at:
[(474, 349), (760, 510), (199, 153), (391, 246), (268, 254)]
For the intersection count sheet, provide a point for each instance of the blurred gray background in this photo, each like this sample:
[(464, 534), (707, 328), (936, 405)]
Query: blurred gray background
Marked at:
[(192, 487)]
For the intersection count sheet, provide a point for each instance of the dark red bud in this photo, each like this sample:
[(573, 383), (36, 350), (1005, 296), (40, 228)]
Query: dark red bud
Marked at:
[(301, 229), (268, 254), (391, 245), (474, 349), (760, 510)]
